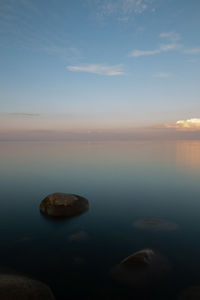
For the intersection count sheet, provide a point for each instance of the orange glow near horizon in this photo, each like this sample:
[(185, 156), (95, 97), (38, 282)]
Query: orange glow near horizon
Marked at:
[(26, 126)]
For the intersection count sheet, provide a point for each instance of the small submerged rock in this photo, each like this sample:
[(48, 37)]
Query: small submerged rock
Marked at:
[(78, 237), (142, 268), (155, 225), (17, 287), (139, 259), (63, 205)]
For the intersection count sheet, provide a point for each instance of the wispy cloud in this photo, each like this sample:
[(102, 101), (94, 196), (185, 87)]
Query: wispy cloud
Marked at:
[(122, 10), (98, 69), (162, 75), (171, 39), (169, 47), (162, 48), (172, 36), (138, 53), (172, 44)]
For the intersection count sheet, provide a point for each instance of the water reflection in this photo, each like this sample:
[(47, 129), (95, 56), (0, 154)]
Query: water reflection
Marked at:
[(144, 183), (155, 225), (188, 155)]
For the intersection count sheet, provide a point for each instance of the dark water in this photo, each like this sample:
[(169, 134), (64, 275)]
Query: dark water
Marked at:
[(124, 182)]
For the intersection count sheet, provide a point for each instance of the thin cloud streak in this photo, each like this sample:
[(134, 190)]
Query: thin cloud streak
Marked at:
[(171, 44), (98, 69), (138, 53), (162, 48), (15, 114)]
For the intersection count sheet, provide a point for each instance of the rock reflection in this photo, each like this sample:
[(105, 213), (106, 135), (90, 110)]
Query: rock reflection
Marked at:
[(153, 224), (79, 236)]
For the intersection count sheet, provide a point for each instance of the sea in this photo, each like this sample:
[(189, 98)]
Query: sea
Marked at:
[(143, 194)]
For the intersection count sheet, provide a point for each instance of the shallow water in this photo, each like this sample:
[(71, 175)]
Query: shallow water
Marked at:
[(124, 182)]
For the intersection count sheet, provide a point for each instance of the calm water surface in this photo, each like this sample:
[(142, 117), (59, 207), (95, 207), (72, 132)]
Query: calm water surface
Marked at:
[(124, 182)]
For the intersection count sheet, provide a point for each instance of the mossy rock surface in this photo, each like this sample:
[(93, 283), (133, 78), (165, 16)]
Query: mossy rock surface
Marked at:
[(63, 205), (17, 287)]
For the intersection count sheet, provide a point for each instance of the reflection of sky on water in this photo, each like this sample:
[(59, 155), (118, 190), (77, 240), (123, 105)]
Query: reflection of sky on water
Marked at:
[(124, 182), (114, 172), (188, 155), (80, 165)]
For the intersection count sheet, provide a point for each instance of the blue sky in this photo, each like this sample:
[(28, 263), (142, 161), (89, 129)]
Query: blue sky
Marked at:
[(115, 63)]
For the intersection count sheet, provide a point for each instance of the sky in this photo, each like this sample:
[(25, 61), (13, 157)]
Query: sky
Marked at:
[(85, 66)]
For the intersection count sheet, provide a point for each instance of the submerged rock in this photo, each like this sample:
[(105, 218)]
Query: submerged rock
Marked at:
[(17, 287), (140, 259), (155, 225), (78, 237), (141, 268), (63, 205)]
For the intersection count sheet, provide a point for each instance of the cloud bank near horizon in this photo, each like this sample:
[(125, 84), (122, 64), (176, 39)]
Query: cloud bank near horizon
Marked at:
[(25, 126), (189, 124)]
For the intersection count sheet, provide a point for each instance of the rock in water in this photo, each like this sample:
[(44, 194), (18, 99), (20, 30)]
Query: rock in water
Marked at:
[(63, 205), (140, 259), (142, 268), (17, 287)]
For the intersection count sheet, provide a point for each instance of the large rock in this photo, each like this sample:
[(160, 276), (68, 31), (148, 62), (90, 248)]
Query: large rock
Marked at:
[(142, 268), (17, 287), (63, 205)]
